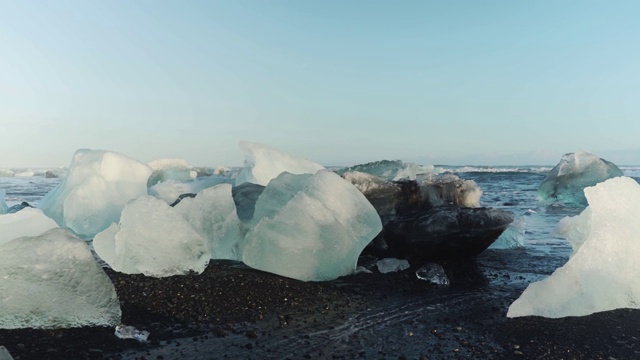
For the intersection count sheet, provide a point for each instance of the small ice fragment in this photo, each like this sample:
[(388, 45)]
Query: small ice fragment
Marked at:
[(4, 354), (433, 273), (362, 269), (130, 332), (392, 265)]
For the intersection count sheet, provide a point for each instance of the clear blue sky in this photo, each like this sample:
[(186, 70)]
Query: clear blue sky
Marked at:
[(338, 82)]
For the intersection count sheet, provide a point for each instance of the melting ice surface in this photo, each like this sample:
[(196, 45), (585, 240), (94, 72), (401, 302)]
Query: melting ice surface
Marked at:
[(602, 272), (575, 171), (95, 190), (310, 227), (53, 281)]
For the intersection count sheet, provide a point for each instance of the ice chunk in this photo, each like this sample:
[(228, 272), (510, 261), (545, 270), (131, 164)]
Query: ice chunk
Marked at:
[(310, 227), (576, 229), (575, 171), (263, 163), (512, 237), (212, 213), (130, 332), (388, 265), (3, 204), (602, 273), (53, 281), (26, 222), (391, 169), (4, 354), (153, 239), (92, 195), (177, 170), (433, 273)]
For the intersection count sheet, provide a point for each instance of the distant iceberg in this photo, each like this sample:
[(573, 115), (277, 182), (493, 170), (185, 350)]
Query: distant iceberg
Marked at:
[(602, 273), (575, 171)]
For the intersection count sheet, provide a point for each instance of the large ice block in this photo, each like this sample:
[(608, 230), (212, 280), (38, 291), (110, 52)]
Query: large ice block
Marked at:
[(602, 273), (263, 163), (92, 195), (575, 171), (53, 281), (310, 227), (26, 222), (212, 213), (152, 238)]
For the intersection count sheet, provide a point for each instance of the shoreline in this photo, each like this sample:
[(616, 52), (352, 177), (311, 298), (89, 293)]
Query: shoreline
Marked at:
[(232, 311)]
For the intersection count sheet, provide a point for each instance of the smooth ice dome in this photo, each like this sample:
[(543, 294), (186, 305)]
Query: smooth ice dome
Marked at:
[(212, 214), (575, 171), (602, 273), (92, 195), (263, 163), (53, 281), (153, 239), (26, 222), (310, 227)]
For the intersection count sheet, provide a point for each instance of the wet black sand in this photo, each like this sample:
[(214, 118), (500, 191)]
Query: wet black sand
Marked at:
[(231, 311)]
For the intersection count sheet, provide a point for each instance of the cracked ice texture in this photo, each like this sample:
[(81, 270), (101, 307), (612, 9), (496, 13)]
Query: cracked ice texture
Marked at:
[(53, 281), (94, 192), (263, 163), (153, 239), (575, 171), (602, 273), (310, 227)]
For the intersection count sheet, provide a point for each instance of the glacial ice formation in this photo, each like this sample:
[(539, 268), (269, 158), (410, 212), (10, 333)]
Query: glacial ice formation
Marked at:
[(26, 222), (388, 265), (310, 227), (575, 171), (391, 170), (92, 195), (212, 213), (512, 237), (602, 272), (434, 274), (177, 170), (152, 238), (263, 163), (53, 281)]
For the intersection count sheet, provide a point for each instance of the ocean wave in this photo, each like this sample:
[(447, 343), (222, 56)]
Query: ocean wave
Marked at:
[(496, 169)]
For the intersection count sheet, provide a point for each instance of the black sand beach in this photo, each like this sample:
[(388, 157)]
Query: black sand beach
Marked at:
[(231, 311)]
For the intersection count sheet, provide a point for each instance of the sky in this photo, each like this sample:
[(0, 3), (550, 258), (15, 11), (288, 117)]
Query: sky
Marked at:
[(338, 82)]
